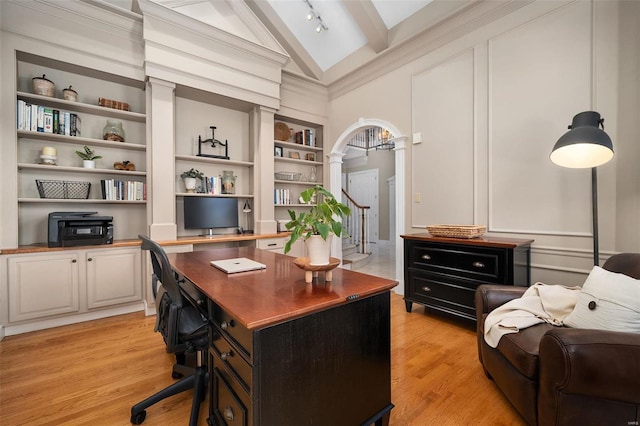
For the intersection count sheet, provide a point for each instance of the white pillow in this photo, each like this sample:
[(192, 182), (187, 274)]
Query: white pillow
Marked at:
[(608, 301)]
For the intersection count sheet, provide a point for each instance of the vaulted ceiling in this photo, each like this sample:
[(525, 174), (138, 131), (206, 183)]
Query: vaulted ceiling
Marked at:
[(355, 32)]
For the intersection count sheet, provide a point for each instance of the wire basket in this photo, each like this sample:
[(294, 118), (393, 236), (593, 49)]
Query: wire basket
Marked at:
[(63, 189), (291, 176)]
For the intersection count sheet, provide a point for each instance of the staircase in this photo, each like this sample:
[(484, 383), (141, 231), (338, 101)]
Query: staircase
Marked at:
[(354, 253)]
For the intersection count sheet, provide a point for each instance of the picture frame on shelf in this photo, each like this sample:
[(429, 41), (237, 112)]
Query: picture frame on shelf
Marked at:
[(294, 154), (277, 151), (310, 156)]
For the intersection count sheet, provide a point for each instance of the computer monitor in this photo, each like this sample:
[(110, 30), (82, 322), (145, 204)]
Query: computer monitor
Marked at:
[(210, 213)]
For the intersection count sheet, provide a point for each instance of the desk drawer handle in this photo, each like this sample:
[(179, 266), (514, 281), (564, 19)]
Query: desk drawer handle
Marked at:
[(425, 288), (228, 413), (225, 325), (225, 355), (478, 264), (426, 257)]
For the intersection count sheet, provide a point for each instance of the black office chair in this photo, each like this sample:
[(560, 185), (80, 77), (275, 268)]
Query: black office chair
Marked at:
[(185, 331)]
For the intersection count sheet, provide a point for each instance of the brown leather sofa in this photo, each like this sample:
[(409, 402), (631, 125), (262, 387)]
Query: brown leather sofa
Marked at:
[(560, 375)]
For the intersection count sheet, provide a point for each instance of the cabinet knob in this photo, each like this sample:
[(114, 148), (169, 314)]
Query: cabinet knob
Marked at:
[(228, 413), (425, 288), (426, 257), (478, 264), (74, 261), (225, 355), (225, 325), (90, 259)]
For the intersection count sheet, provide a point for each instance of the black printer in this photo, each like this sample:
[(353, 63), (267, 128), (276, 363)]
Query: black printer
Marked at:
[(67, 229)]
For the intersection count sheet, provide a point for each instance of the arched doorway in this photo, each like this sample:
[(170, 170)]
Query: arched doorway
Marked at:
[(335, 182)]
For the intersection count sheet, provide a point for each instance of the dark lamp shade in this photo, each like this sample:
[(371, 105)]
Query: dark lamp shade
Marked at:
[(585, 145)]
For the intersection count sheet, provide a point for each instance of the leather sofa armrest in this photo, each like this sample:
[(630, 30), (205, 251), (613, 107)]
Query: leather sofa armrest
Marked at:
[(593, 363), (487, 298), (490, 296)]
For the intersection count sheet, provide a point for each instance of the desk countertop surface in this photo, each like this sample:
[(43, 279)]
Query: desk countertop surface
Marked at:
[(260, 298)]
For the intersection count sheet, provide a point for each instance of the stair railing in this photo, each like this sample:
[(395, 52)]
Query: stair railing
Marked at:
[(357, 224)]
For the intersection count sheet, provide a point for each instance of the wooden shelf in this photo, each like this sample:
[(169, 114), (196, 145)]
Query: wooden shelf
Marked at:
[(208, 160), (297, 161), (291, 145), (78, 140), (79, 200), (296, 182), (191, 194), (29, 166), (82, 107), (294, 205)]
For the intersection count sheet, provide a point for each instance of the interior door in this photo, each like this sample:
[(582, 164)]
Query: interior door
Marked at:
[(363, 187)]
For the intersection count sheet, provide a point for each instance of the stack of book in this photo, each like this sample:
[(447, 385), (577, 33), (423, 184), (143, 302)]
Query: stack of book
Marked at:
[(123, 190), (212, 185), (38, 118), (282, 196), (306, 137)]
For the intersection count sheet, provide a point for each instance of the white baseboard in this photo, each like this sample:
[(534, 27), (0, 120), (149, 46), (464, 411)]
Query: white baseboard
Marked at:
[(72, 319)]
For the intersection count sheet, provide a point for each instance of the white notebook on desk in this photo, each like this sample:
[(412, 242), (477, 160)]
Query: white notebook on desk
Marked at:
[(239, 264)]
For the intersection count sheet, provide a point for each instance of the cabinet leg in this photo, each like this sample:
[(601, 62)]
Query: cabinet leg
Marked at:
[(408, 305)]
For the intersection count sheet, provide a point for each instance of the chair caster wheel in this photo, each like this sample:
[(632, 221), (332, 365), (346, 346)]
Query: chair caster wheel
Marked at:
[(137, 419)]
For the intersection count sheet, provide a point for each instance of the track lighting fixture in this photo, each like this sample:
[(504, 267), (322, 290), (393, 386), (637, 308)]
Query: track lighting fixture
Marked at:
[(314, 15)]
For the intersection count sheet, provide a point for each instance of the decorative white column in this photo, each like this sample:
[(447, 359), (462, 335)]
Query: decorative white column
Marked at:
[(161, 200), (263, 169), (400, 154), (335, 187)]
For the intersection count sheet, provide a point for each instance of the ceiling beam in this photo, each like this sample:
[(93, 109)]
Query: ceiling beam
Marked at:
[(289, 42), (370, 23)]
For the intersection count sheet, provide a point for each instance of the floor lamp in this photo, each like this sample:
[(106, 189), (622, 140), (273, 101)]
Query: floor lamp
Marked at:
[(585, 145)]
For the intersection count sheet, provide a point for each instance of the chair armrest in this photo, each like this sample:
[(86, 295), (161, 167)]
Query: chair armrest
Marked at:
[(490, 296), (596, 363)]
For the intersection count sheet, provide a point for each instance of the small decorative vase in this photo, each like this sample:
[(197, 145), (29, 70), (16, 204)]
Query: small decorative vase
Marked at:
[(89, 164), (113, 131), (319, 250), (313, 177), (228, 182), (190, 184)]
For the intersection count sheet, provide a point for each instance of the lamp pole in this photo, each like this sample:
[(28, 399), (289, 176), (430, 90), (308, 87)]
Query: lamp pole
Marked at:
[(594, 214)]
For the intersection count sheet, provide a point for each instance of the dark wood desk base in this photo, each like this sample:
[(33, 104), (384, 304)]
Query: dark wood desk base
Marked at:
[(328, 368)]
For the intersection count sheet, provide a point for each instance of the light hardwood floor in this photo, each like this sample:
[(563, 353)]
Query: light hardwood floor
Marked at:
[(91, 374)]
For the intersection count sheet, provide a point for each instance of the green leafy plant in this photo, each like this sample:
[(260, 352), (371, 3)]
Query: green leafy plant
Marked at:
[(193, 173), (88, 154), (321, 220)]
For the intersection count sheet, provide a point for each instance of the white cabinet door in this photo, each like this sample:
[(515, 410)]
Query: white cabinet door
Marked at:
[(43, 285), (113, 276)]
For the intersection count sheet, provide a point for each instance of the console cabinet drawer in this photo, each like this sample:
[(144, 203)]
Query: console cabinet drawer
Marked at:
[(484, 264), (448, 295), (443, 273)]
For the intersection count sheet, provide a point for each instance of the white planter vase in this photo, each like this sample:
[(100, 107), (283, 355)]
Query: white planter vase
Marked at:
[(89, 164), (319, 250), (190, 184)]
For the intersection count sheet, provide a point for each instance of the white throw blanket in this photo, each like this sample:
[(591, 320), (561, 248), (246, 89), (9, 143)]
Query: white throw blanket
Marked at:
[(540, 303)]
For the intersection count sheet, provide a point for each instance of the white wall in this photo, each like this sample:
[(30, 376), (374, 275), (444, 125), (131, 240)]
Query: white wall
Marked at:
[(490, 106)]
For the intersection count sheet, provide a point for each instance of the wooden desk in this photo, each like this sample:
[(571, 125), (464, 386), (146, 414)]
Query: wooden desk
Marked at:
[(284, 352)]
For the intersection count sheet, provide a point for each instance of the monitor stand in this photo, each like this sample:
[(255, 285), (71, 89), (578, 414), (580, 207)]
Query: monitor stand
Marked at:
[(208, 233)]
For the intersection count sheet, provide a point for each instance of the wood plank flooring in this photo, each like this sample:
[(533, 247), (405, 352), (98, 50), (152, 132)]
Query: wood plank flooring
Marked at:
[(92, 373)]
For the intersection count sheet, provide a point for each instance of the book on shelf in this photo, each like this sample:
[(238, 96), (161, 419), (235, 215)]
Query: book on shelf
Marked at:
[(113, 189), (212, 185), (38, 118), (281, 196)]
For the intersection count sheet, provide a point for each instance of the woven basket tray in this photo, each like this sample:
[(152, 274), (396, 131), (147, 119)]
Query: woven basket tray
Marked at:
[(457, 231)]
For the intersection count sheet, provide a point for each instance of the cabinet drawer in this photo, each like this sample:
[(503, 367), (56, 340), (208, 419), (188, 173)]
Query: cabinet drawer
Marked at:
[(237, 366), (227, 406), (450, 295), (231, 330), (482, 263), (270, 243)]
